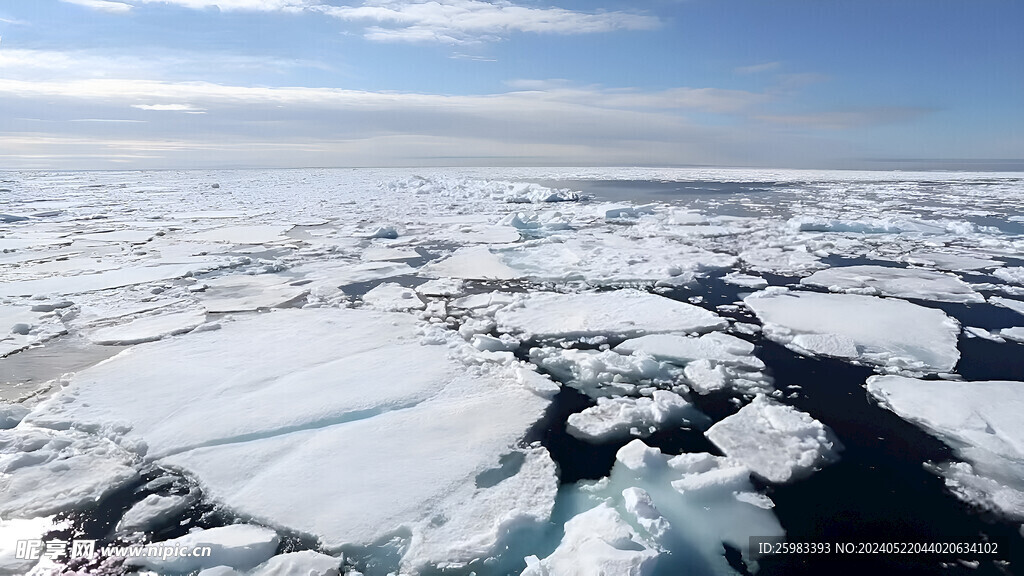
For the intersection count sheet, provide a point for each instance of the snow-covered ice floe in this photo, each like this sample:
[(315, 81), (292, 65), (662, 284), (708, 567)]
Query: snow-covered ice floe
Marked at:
[(981, 421), (620, 417), (886, 332), (899, 282), (777, 442), (165, 402), (621, 312)]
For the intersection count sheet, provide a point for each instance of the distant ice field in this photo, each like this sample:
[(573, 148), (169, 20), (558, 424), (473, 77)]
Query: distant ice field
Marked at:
[(545, 371)]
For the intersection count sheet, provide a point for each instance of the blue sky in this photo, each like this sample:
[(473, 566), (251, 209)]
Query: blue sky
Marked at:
[(778, 83)]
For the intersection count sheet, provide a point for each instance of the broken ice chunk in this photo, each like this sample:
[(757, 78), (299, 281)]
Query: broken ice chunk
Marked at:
[(597, 541), (153, 511), (614, 417), (777, 442), (393, 297), (241, 546)]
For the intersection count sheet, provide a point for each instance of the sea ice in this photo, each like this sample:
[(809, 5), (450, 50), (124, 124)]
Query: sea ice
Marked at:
[(11, 415), (304, 563), (255, 234), (614, 417), (620, 312), (597, 542), (952, 262), (241, 546), (149, 328), (1013, 275), (392, 297), (20, 328), (682, 350), (686, 505), (300, 413), (153, 511), (887, 332), (1015, 305), (980, 421), (777, 442), (745, 280), (125, 276), (472, 263), (246, 292), (43, 471), (1016, 333), (602, 373), (900, 282)]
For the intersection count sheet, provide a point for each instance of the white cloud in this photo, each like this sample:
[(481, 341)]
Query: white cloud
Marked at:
[(31, 64), (254, 5), (848, 119), (466, 21), (171, 108), (102, 5), (300, 126)]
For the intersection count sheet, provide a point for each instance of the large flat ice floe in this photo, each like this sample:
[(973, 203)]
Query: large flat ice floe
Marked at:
[(981, 421), (777, 442), (298, 398), (618, 312), (886, 332), (899, 282)]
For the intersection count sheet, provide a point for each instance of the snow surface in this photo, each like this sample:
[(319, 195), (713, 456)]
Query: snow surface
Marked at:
[(898, 282), (597, 541), (153, 511), (312, 367), (1015, 305), (241, 546), (777, 442), (622, 312), (887, 332), (149, 328), (980, 421), (615, 417)]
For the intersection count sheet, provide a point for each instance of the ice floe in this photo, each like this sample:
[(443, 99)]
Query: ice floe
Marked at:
[(980, 421), (47, 471), (393, 297), (1015, 305), (312, 366), (149, 328), (153, 511), (777, 442), (619, 417), (900, 282), (677, 509), (886, 332), (621, 312), (241, 546), (249, 292), (598, 541), (1013, 275)]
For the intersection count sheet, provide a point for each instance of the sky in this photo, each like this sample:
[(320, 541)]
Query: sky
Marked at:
[(890, 84)]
